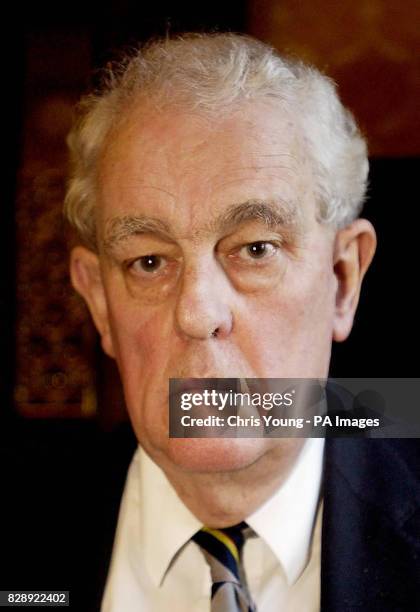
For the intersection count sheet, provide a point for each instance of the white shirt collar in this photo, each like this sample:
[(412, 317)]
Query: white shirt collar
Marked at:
[(167, 523), (285, 521)]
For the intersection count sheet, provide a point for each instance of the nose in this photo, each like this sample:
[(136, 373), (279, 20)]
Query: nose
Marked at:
[(203, 307)]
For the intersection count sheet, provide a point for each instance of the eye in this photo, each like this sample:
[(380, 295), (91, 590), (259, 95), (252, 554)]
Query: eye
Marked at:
[(258, 250), (148, 264)]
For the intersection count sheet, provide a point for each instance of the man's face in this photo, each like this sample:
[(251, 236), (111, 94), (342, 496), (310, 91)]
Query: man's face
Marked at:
[(210, 225)]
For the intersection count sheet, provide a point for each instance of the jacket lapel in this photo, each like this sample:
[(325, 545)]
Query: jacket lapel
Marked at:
[(370, 535)]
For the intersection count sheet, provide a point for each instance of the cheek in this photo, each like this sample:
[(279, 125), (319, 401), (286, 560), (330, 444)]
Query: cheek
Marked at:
[(311, 313), (140, 338), (291, 326)]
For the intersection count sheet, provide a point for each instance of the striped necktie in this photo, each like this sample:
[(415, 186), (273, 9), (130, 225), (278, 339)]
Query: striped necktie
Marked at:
[(222, 549)]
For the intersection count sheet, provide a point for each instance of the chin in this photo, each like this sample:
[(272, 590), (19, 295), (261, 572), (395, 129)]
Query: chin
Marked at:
[(214, 454)]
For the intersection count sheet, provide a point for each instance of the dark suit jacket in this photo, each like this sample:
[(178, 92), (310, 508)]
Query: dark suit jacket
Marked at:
[(61, 485)]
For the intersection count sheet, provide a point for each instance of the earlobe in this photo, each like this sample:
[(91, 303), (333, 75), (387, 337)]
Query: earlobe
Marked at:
[(86, 278), (353, 252)]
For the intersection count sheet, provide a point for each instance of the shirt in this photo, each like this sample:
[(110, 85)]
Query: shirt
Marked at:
[(155, 567)]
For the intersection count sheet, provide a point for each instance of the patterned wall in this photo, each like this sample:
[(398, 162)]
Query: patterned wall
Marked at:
[(55, 341), (370, 47)]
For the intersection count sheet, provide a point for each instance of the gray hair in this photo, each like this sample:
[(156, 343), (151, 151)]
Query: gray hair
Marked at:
[(213, 73)]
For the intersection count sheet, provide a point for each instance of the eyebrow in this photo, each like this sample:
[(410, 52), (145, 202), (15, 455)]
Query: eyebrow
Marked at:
[(272, 213)]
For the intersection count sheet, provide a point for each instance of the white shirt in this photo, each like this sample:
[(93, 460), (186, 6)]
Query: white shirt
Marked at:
[(155, 567)]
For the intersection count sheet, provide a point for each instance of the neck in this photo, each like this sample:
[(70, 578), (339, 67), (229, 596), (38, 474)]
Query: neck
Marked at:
[(222, 499)]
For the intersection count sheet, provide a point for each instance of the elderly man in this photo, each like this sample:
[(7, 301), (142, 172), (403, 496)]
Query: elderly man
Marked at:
[(216, 189)]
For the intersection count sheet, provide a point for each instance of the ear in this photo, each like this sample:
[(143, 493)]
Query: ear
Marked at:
[(354, 249), (86, 278)]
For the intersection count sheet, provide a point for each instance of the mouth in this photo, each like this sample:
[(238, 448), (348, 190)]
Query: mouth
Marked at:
[(190, 385)]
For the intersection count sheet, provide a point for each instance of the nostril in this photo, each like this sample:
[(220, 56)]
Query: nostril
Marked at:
[(215, 332)]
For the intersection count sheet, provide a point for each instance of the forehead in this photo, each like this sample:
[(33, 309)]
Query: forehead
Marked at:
[(186, 166)]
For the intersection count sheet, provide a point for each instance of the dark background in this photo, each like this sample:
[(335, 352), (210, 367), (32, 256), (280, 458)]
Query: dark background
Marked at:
[(60, 398)]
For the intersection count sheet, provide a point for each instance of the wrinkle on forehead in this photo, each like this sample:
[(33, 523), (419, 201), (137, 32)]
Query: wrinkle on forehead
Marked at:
[(236, 159)]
